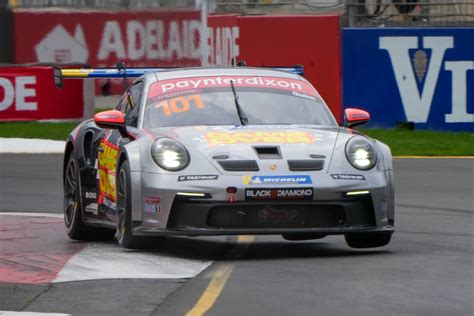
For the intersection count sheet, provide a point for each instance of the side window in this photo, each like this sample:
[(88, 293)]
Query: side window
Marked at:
[(122, 103), (133, 103)]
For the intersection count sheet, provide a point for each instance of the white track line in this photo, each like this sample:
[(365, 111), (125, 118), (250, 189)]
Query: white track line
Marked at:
[(32, 214), (10, 313), (31, 146), (109, 261)]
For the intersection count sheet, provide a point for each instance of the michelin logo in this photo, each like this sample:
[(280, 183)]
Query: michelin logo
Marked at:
[(265, 180)]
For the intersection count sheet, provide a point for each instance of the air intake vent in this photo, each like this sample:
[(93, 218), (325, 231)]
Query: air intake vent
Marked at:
[(305, 165), (268, 152), (239, 165)]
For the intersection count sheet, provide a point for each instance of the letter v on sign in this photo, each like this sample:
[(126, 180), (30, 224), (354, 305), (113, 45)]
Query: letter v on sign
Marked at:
[(416, 106)]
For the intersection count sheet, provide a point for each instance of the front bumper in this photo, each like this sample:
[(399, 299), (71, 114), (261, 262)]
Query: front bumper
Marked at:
[(330, 211)]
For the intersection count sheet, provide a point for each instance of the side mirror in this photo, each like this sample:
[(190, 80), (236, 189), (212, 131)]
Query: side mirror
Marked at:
[(355, 117), (111, 119)]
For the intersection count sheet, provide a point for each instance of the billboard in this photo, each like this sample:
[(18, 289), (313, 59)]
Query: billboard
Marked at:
[(29, 93), (420, 75)]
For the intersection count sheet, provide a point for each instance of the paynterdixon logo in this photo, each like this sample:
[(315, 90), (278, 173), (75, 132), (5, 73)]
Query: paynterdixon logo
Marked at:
[(417, 104), (269, 180)]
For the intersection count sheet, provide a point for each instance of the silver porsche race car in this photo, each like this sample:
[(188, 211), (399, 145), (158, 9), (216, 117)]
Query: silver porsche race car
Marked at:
[(225, 151)]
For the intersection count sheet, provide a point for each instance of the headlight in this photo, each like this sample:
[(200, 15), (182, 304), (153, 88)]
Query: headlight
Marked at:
[(169, 154), (361, 153)]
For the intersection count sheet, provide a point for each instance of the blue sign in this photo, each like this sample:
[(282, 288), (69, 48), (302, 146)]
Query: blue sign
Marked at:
[(269, 180), (420, 75)]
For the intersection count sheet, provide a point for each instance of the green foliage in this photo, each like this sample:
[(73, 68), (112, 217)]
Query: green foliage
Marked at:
[(425, 143)]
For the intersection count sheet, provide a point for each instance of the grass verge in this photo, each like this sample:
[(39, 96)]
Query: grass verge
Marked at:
[(402, 143), (425, 143), (46, 130)]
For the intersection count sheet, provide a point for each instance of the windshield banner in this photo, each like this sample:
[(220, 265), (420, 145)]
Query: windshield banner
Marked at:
[(178, 85)]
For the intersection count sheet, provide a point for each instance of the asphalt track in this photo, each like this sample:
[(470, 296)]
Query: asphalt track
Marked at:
[(426, 270)]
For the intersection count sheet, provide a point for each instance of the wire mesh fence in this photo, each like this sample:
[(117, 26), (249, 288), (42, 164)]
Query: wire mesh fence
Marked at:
[(366, 13), (354, 13)]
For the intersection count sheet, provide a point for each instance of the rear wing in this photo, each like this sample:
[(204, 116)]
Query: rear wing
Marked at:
[(124, 73)]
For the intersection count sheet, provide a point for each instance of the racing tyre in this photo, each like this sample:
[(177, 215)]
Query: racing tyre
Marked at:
[(368, 240), (75, 227), (124, 217)]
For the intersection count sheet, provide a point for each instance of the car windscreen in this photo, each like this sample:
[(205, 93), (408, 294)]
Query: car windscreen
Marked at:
[(212, 101)]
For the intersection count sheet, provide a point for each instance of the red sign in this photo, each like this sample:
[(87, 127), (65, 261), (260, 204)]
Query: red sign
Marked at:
[(311, 41), (29, 93), (223, 33), (152, 38), (102, 39)]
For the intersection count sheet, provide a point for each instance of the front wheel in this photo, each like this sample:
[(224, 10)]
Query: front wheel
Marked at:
[(123, 234), (368, 240)]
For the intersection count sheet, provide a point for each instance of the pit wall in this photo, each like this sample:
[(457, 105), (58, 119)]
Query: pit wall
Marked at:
[(419, 75)]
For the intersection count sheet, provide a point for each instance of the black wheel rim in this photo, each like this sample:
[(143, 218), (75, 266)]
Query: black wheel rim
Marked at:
[(70, 193), (121, 192)]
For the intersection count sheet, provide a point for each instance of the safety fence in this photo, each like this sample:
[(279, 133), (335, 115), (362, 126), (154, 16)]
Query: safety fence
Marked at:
[(401, 13)]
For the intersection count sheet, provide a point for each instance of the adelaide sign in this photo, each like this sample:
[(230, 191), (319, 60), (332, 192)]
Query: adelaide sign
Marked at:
[(420, 75)]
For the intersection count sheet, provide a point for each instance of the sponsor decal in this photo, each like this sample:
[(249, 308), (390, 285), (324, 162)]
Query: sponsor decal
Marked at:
[(167, 86), (110, 204), (152, 204), (265, 180), (92, 208), (279, 194), (286, 137), (348, 176), (202, 177), (107, 168), (303, 95), (91, 195), (273, 216)]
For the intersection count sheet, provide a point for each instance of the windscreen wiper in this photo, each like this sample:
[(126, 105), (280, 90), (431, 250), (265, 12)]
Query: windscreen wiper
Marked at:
[(243, 119)]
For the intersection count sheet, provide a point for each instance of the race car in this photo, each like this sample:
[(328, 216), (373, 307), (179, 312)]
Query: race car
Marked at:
[(224, 151)]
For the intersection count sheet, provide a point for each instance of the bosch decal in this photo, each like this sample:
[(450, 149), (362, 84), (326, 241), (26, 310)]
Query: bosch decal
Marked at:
[(264, 180)]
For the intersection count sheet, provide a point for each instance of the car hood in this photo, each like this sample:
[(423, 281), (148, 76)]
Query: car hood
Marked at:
[(292, 142)]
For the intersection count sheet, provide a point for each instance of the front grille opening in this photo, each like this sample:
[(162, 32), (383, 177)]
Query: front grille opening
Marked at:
[(305, 165), (276, 216), (239, 165), (268, 152)]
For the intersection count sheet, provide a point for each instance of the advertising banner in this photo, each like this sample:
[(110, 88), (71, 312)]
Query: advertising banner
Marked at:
[(223, 35), (420, 75), (102, 39), (311, 41), (29, 93)]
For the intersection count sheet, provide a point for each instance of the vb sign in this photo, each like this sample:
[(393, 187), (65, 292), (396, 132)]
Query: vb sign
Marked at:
[(425, 76)]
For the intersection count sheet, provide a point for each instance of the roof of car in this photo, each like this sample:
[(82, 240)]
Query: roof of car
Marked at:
[(222, 71)]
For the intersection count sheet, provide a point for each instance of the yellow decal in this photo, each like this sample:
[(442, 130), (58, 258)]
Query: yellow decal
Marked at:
[(288, 137), (107, 169)]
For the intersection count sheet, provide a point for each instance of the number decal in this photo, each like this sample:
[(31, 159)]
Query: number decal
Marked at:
[(180, 104)]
